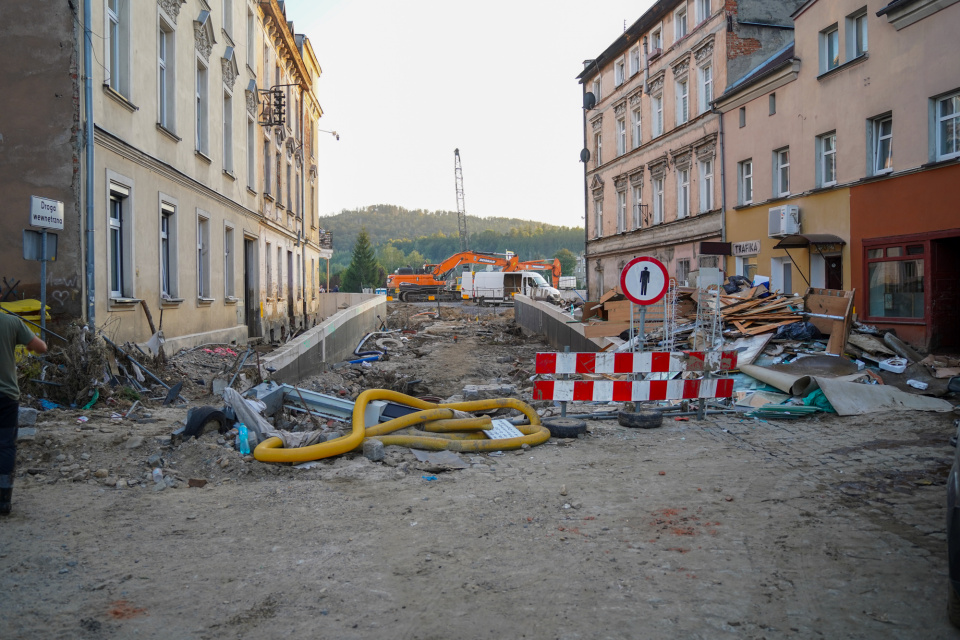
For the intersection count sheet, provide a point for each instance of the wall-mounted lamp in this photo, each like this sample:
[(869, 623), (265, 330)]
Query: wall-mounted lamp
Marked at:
[(333, 133)]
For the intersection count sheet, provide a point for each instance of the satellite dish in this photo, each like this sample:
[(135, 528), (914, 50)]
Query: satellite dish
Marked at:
[(589, 100), (585, 156)]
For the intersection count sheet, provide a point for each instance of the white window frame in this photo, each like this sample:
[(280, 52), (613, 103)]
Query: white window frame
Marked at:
[(116, 46), (251, 153), (621, 136), (597, 86), (227, 131), (656, 109), (703, 10), (941, 124), (166, 75), (656, 41), (635, 60), (680, 28), (251, 41), (683, 193), (621, 211), (683, 271), (829, 48), (268, 262), (827, 159), (313, 279), (168, 248), (597, 217), (598, 148), (202, 107), (637, 205), (229, 261), (880, 158), (620, 71), (683, 101), (636, 123), (280, 280), (228, 18), (705, 88), (204, 292), (781, 172), (705, 172), (856, 34), (745, 182), (267, 164), (658, 200)]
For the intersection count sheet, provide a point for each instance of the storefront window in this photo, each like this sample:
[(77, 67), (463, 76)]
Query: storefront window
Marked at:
[(895, 281)]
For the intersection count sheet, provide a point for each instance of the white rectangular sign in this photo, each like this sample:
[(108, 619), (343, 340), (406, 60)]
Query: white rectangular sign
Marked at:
[(748, 248), (502, 429), (46, 213)]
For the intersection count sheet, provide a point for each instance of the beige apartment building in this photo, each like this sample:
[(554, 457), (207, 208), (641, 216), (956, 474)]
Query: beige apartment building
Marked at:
[(203, 180), (652, 142), (842, 160)]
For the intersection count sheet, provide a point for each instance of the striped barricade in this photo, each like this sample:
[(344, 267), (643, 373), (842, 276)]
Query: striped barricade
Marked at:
[(633, 390)]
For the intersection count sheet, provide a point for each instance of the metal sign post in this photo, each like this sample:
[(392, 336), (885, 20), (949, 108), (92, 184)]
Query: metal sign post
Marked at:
[(46, 214), (643, 281)]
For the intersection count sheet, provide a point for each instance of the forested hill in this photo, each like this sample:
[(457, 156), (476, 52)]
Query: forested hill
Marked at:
[(431, 236)]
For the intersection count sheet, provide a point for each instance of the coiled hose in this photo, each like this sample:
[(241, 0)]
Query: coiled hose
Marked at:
[(445, 431)]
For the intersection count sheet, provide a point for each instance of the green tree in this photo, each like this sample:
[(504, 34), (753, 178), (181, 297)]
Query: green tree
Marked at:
[(390, 257), (568, 261), (364, 269), (415, 259)]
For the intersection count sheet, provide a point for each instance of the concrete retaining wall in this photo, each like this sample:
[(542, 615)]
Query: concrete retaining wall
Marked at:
[(332, 340), (553, 323)]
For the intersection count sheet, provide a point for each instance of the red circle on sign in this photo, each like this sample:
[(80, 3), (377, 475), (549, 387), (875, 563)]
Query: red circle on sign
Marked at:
[(633, 295)]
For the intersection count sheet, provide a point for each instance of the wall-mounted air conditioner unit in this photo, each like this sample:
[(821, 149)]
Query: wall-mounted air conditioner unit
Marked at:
[(783, 221)]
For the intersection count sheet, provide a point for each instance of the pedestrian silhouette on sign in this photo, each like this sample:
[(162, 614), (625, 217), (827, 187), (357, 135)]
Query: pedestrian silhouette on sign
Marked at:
[(644, 280)]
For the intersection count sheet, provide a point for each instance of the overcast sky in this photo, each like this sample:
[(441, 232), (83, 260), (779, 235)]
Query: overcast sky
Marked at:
[(405, 83)]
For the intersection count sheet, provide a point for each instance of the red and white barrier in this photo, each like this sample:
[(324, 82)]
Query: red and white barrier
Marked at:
[(650, 361), (631, 391)]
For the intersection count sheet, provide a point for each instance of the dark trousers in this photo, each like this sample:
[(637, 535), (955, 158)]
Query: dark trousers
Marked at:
[(9, 413)]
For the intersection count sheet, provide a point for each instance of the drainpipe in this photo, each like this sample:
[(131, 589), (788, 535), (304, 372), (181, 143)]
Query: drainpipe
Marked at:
[(303, 214), (646, 67), (88, 130), (586, 200), (723, 182)]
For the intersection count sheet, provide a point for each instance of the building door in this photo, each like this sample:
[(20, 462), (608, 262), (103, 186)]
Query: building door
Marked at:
[(251, 297), (290, 291), (834, 271), (944, 294)]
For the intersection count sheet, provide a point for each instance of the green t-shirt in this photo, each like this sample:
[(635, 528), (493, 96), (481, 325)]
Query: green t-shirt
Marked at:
[(13, 331)]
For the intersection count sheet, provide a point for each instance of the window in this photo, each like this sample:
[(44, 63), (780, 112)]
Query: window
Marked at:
[(743, 117), (948, 127), (117, 45), (203, 257), (621, 211), (251, 153), (772, 103), (268, 255), (657, 200), (280, 291), (706, 185), (228, 281), (682, 102), (598, 148), (227, 132), (895, 281), (597, 217), (703, 10), (781, 275), (656, 107), (680, 22), (683, 271), (266, 167), (620, 72), (634, 60), (829, 49), (656, 42), (683, 193), (289, 200), (745, 182), (705, 90), (119, 242), (228, 17), (168, 250), (882, 147), (747, 267), (637, 206), (596, 88), (856, 34), (635, 125), (266, 65), (313, 279), (166, 84), (251, 41), (827, 160), (781, 172), (203, 135), (621, 136)]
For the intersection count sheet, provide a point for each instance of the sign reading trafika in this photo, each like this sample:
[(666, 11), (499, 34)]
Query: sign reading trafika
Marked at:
[(644, 280)]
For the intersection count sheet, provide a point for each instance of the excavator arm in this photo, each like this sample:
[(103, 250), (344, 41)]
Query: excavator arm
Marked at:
[(441, 270), (539, 265)]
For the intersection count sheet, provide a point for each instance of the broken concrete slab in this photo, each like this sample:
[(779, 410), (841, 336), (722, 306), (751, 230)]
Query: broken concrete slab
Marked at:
[(484, 391), (852, 398), (445, 458)]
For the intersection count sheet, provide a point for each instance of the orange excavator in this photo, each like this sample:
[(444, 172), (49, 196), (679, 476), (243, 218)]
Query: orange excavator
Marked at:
[(430, 282)]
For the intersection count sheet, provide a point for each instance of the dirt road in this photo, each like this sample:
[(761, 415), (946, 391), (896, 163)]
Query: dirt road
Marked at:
[(820, 527)]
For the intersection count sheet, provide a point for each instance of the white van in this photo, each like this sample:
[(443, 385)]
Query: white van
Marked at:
[(498, 287)]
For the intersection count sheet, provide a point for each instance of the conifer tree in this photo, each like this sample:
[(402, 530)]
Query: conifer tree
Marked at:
[(364, 271)]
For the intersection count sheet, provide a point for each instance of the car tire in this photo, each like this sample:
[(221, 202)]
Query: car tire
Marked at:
[(201, 419), (565, 427), (640, 419)]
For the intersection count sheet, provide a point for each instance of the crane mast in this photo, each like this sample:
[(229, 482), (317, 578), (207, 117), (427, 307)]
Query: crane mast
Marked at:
[(461, 208)]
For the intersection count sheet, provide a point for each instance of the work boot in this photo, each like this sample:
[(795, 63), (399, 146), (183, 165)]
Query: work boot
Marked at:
[(5, 495)]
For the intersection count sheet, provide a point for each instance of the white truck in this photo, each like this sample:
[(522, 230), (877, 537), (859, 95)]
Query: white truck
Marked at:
[(499, 287)]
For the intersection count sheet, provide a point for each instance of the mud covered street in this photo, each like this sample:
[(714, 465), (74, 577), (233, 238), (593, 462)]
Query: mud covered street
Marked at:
[(729, 527)]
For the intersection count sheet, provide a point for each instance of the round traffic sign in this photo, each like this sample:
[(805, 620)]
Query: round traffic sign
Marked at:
[(644, 280)]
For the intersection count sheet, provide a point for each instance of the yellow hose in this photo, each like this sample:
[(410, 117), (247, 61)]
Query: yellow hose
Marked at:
[(271, 449)]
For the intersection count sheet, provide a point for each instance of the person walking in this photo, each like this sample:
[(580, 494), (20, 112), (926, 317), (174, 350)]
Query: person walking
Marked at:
[(13, 331)]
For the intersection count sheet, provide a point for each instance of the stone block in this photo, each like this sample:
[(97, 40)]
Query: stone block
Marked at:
[(373, 450), (27, 417)]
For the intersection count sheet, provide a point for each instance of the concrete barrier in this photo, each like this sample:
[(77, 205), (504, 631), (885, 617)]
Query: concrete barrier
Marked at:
[(553, 323), (332, 340)]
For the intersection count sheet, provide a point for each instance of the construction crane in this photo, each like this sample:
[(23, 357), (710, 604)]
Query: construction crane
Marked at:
[(461, 208)]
